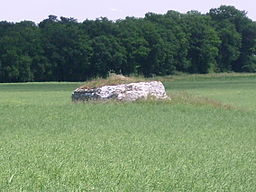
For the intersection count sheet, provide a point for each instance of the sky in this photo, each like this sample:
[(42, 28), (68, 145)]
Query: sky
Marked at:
[(38, 10)]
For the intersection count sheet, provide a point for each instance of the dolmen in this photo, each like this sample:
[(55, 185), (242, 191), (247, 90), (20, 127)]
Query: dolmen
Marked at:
[(122, 92)]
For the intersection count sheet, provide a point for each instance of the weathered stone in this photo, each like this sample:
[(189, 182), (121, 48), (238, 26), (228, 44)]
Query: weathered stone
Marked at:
[(122, 92)]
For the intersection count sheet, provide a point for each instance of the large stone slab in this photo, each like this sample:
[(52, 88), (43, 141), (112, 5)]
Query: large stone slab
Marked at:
[(122, 92)]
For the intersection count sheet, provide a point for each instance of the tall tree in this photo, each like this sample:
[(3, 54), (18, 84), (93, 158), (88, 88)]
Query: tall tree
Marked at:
[(247, 31), (203, 42)]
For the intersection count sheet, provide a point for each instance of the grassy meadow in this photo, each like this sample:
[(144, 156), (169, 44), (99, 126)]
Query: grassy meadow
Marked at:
[(204, 139)]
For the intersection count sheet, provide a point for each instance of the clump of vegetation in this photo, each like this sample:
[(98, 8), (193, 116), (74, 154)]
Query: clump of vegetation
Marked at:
[(113, 79)]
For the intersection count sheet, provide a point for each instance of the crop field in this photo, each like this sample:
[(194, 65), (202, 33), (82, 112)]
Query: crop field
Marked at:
[(204, 139)]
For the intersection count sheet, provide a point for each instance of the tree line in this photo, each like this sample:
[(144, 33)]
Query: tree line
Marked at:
[(222, 40)]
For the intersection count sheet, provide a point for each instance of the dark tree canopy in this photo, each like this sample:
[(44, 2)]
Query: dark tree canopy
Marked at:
[(62, 49)]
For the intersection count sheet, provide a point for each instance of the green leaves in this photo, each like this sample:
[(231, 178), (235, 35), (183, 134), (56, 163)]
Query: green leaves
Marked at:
[(238, 34), (63, 49)]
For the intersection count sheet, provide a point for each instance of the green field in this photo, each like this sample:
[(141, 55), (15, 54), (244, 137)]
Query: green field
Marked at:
[(204, 139)]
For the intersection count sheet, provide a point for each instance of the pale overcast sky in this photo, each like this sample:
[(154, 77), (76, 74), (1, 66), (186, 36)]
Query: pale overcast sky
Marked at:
[(37, 10)]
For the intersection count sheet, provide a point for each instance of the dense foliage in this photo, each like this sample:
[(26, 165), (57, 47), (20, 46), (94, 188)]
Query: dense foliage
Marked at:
[(65, 50)]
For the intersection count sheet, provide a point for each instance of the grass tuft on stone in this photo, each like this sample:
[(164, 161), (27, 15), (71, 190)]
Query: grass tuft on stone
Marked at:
[(112, 79)]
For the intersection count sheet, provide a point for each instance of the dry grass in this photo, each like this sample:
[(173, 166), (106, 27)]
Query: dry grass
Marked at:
[(113, 79), (185, 98), (203, 76)]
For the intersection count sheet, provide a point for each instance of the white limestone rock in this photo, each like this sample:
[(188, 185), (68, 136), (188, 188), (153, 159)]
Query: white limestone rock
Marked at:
[(122, 92)]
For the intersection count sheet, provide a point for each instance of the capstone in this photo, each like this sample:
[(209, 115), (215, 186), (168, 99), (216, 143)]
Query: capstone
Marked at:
[(122, 92)]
